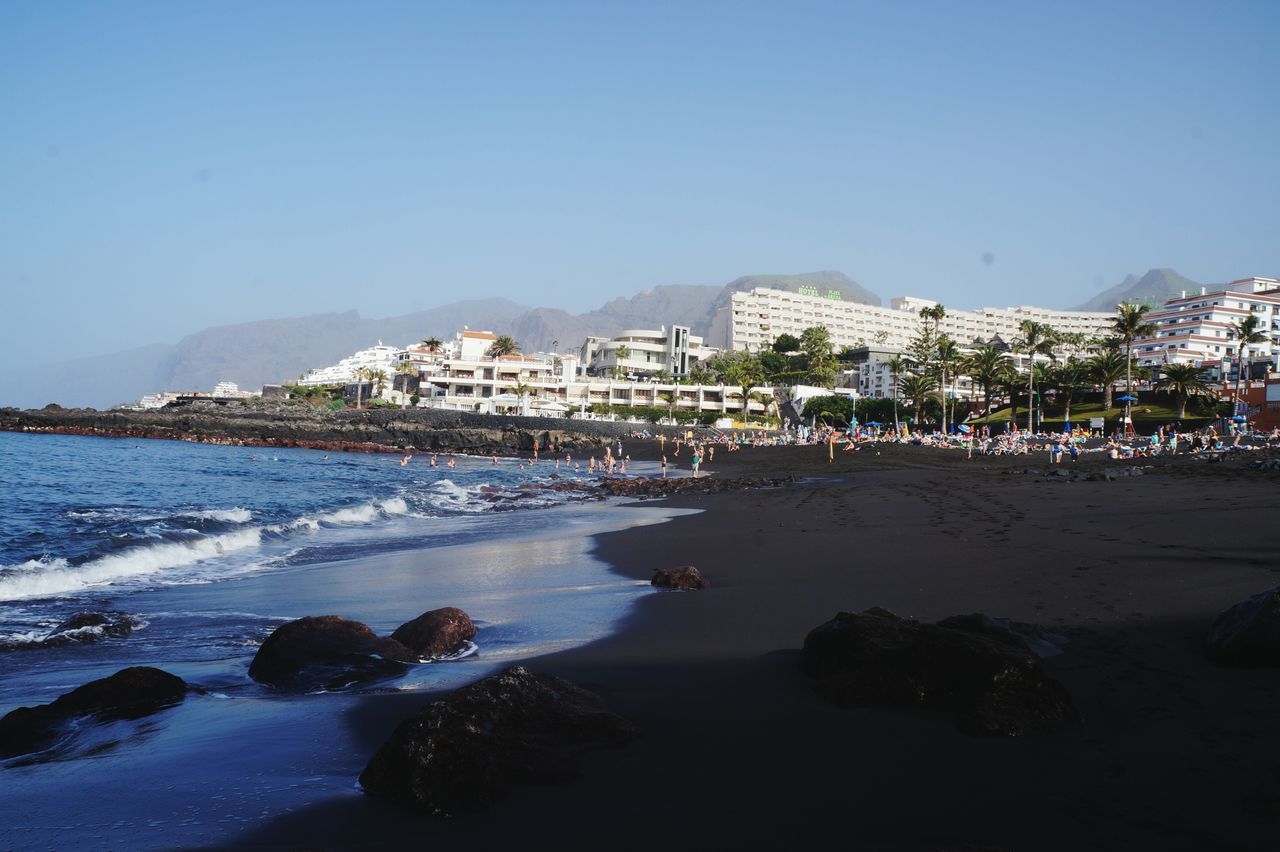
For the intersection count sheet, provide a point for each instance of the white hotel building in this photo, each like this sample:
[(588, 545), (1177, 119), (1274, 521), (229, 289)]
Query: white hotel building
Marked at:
[(754, 318), (1197, 329)]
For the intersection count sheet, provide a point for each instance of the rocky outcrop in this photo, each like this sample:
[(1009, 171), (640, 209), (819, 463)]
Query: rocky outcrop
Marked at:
[(1248, 633), (684, 578), (128, 694), (463, 752), (326, 652), (653, 487), (993, 685), (81, 628), (436, 633), (293, 424)]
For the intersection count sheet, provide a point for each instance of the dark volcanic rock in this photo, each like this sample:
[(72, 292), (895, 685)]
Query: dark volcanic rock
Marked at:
[(993, 684), (91, 626), (326, 651), (1248, 633), (128, 694), (685, 577), (436, 633), (463, 752)]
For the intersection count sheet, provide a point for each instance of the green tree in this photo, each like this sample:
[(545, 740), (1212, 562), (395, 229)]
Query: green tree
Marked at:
[(919, 388), (983, 366), (361, 373), (522, 390), (379, 379), (1247, 333), (1105, 369), (1130, 323), (1183, 381), (751, 396), (1009, 381), (772, 363), (504, 345), (1035, 338), (620, 354), (784, 344), (815, 342), (431, 344), (835, 410), (1068, 379), (897, 365), (407, 369), (948, 358)]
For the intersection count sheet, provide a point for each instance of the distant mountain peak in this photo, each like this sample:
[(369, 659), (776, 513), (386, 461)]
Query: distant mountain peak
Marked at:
[(1155, 287)]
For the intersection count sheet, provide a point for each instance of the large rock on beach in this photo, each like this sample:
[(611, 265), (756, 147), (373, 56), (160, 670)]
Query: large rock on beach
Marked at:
[(92, 626), (684, 578), (1248, 633), (326, 652), (436, 633), (128, 694), (989, 679), (463, 752)]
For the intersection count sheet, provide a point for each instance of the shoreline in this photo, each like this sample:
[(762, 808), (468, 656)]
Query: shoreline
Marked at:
[(738, 752)]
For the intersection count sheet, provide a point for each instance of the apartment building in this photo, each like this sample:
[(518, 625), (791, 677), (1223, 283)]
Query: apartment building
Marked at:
[(754, 318), (646, 352), (1199, 329)]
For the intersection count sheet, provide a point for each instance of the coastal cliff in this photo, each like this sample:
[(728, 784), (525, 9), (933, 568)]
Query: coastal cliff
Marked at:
[(315, 428)]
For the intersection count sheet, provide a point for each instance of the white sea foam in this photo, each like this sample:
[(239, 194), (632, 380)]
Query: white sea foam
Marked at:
[(47, 578), (235, 515)]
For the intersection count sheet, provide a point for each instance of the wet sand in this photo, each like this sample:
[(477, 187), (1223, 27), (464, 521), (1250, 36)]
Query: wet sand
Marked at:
[(737, 752)]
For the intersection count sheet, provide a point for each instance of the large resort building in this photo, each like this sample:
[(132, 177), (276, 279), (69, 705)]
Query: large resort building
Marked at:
[(1199, 329), (755, 318)]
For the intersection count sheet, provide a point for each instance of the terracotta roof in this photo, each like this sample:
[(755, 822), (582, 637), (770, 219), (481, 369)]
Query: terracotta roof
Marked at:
[(480, 335)]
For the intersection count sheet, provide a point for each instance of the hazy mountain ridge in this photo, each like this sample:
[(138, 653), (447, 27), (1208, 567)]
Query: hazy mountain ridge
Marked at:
[(1155, 287), (268, 351)]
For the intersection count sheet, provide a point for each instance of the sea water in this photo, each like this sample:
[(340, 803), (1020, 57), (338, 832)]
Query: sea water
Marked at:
[(205, 550)]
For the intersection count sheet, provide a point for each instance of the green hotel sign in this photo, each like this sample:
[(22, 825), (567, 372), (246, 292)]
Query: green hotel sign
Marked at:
[(805, 290)]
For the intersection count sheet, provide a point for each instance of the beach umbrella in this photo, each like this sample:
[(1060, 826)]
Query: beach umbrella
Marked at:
[(873, 423), (964, 429), (1126, 398), (1239, 418)]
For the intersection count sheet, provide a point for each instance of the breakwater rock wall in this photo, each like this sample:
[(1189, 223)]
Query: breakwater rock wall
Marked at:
[(381, 430)]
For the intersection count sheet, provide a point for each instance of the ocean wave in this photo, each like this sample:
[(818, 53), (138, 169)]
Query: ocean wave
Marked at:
[(55, 577), (236, 515)]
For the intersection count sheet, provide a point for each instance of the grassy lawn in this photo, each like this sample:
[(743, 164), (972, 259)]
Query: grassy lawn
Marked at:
[(1160, 410)]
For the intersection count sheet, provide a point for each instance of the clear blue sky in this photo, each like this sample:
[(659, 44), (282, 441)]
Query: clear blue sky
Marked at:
[(169, 166)]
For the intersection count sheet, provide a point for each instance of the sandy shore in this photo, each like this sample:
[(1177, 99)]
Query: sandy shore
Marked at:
[(738, 753)]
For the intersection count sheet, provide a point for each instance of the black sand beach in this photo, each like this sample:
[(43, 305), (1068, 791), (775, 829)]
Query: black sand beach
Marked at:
[(737, 751)]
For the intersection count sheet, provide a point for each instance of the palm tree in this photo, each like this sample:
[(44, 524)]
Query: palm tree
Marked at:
[(379, 379), (620, 354), (949, 357), (504, 345), (1069, 379), (751, 396), (917, 387), (669, 398), (432, 344), (521, 390), (361, 374), (1130, 323), (1037, 339), (984, 366), (896, 364), (1183, 381), (1105, 369), (406, 368), (1009, 381), (1247, 334), (739, 394)]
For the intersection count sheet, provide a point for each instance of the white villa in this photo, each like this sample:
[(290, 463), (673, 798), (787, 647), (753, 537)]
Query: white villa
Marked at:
[(645, 352)]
